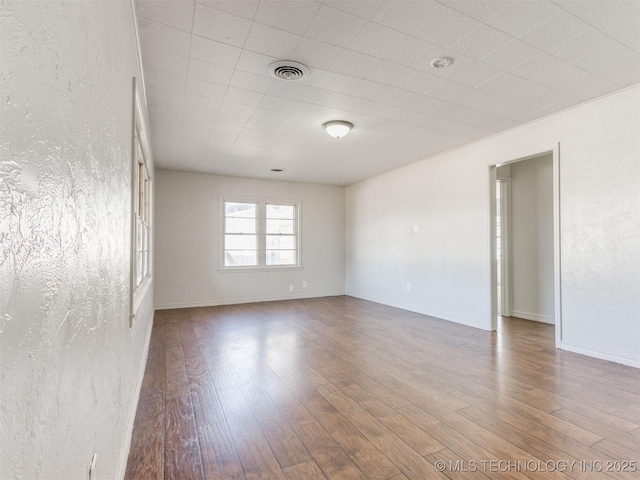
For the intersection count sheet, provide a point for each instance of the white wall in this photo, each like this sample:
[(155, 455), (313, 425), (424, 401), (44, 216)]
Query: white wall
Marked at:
[(70, 364), (188, 242), (447, 261), (532, 285)]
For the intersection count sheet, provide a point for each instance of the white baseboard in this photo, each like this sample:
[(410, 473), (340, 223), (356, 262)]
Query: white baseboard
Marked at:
[(533, 316), (126, 445), (237, 301), (411, 308), (612, 357)]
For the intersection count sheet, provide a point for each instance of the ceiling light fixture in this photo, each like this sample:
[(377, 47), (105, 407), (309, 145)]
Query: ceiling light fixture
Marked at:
[(277, 170), (338, 128), (442, 62)]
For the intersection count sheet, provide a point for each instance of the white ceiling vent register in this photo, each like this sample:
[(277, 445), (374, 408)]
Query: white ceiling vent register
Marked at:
[(288, 70)]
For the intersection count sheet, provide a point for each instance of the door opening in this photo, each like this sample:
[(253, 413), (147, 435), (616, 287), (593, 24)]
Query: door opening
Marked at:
[(525, 240)]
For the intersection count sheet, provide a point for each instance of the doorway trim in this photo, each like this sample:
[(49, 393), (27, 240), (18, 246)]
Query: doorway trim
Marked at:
[(505, 234), (557, 274)]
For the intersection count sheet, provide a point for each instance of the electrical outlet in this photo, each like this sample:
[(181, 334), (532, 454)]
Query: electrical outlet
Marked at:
[(291, 288), (92, 467), (304, 284), (408, 286)]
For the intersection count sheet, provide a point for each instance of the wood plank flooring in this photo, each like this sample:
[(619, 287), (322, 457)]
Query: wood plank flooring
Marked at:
[(341, 388)]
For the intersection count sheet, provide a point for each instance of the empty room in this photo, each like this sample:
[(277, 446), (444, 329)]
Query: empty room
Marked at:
[(319, 239)]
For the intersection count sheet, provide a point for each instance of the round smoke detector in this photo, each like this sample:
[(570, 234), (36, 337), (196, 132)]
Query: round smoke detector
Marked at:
[(288, 70), (442, 62)]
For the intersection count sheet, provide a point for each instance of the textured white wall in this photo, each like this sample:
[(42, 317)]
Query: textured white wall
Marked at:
[(187, 242), (447, 261), (532, 291), (70, 363)]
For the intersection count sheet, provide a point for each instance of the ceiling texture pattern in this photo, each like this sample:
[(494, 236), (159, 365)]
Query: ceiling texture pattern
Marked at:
[(215, 108)]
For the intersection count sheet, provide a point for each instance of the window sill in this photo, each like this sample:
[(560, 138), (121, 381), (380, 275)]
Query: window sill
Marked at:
[(291, 268)]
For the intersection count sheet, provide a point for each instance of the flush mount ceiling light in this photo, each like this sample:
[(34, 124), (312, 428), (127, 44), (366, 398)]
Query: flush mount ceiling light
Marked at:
[(442, 62), (288, 70), (277, 170), (338, 128)]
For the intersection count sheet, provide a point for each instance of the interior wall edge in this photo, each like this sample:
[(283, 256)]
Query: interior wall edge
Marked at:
[(602, 355), (126, 443), (219, 303), (414, 309), (532, 316)]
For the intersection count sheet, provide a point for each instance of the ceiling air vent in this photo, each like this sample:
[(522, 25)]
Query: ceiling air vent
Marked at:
[(288, 70)]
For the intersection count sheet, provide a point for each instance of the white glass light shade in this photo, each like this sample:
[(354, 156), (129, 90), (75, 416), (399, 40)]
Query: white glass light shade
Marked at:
[(338, 128)]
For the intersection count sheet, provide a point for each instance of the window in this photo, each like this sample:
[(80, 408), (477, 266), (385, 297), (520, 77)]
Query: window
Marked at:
[(281, 248), (260, 234), (142, 186), (141, 215)]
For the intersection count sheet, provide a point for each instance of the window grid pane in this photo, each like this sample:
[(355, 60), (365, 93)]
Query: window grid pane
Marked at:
[(281, 226), (240, 225), (240, 258), (281, 211), (239, 209), (241, 242), (281, 257), (281, 242)]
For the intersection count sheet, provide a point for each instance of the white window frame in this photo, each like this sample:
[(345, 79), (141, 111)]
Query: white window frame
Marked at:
[(261, 234), (141, 204)]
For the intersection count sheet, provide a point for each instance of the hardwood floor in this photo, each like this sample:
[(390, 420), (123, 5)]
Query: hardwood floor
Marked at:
[(341, 388)]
